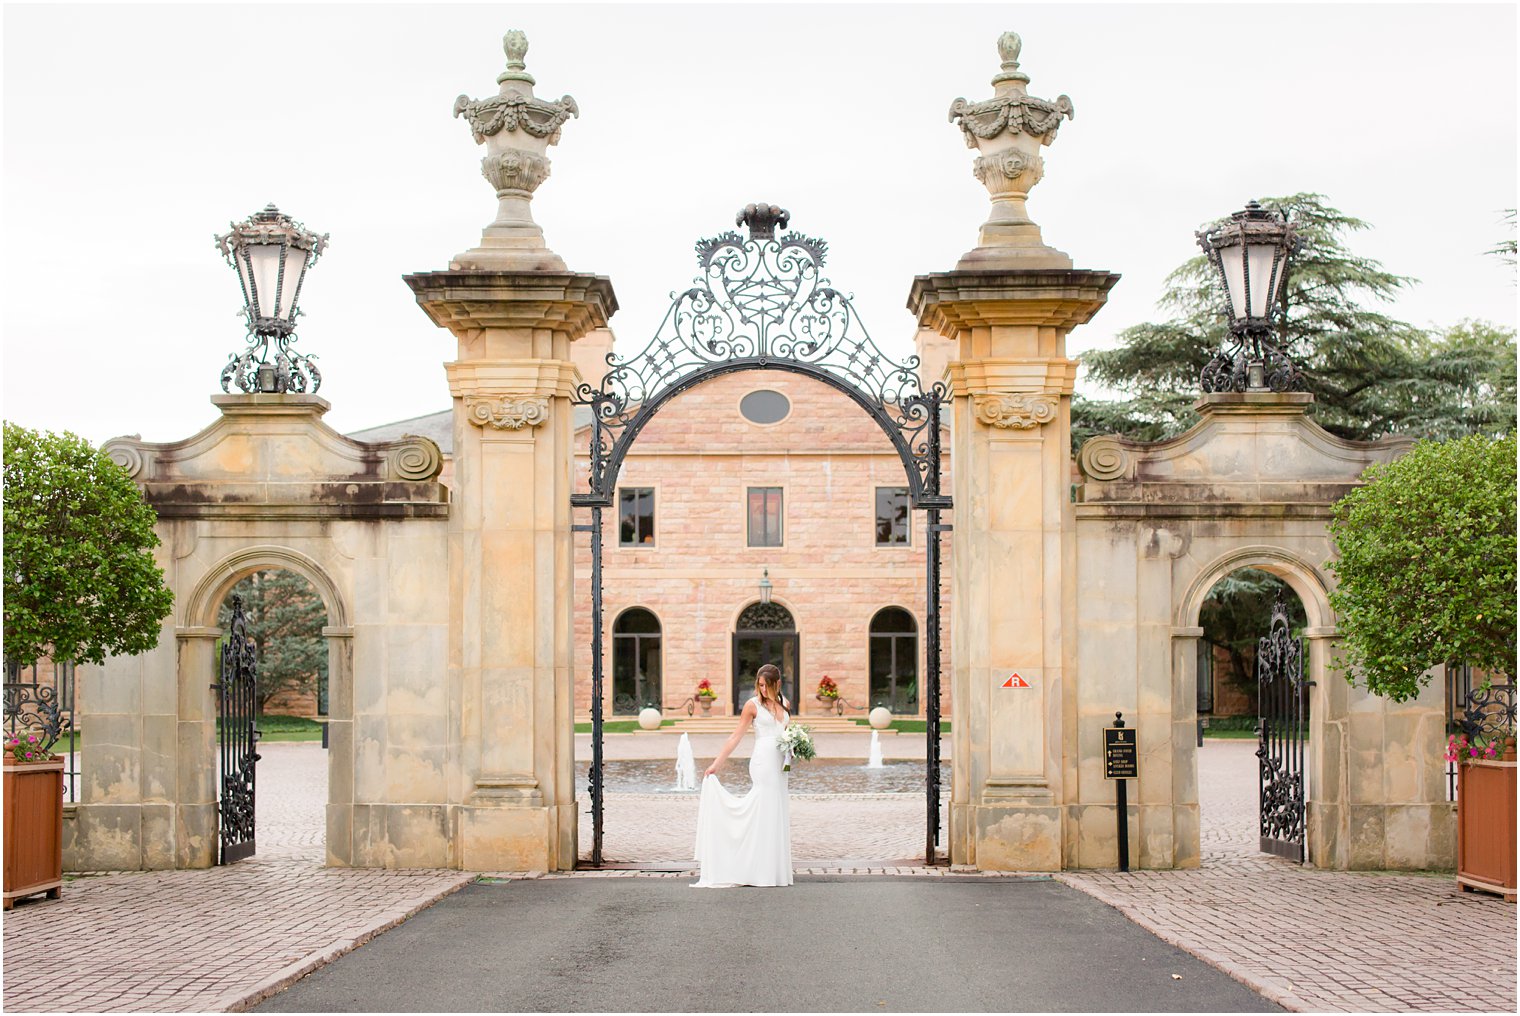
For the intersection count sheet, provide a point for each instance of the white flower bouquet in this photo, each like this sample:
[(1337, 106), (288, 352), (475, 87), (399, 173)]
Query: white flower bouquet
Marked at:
[(796, 741)]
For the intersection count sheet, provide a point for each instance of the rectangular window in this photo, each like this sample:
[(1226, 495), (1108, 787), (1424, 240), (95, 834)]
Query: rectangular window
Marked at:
[(635, 516), (765, 516), (891, 516)]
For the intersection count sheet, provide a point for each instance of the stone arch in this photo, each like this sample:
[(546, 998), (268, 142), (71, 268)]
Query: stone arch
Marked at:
[(1307, 582), (205, 599)]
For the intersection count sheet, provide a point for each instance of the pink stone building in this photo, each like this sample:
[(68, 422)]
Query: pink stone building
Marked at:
[(756, 477)]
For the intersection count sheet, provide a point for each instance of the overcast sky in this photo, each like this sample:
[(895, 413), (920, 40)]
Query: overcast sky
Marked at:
[(132, 134)]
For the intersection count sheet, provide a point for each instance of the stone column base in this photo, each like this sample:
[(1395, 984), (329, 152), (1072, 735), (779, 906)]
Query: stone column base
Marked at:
[(1016, 828)]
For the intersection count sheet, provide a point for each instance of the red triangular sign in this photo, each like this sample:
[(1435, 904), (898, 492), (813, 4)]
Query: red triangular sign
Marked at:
[(1015, 682)]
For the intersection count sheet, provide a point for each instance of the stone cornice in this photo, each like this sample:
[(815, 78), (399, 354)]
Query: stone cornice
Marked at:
[(520, 379), (463, 300), (1053, 376), (951, 302)]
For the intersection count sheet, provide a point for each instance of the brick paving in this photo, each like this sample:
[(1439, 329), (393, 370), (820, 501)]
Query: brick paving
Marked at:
[(210, 940), (220, 939), (1320, 941)]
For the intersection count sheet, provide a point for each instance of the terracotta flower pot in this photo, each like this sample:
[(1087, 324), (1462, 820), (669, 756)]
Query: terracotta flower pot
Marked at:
[(33, 829), (1486, 824)]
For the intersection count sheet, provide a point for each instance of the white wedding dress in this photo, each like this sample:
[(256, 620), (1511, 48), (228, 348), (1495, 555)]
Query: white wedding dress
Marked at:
[(748, 840)]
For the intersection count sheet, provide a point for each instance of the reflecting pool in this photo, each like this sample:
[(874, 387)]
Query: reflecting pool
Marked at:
[(820, 776)]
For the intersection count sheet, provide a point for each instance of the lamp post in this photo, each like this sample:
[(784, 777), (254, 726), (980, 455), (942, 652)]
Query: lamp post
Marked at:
[(1251, 252), (765, 587), (271, 252)]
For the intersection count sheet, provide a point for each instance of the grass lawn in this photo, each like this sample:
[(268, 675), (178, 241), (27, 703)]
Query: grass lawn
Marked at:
[(910, 726), (274, 727), (618, 726), (1231, 727)]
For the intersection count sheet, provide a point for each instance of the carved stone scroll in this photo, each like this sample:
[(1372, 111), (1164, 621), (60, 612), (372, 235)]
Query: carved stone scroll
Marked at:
[(506, 412), (1016, 410)]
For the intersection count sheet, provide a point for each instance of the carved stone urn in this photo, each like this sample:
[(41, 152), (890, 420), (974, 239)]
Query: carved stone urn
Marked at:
[(517, 130), (1008, 131)]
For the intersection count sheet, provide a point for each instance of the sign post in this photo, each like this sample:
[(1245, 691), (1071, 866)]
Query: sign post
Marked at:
[(1121, 762)]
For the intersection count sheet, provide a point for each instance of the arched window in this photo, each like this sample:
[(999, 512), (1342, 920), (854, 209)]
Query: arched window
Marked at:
[(894, 660), (635, 662)]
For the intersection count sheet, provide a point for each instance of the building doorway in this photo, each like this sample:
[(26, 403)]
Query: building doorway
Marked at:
[(765, 633)]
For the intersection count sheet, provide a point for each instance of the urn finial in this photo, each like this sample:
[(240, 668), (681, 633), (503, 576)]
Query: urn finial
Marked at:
[(515, 43), (1009, 44), (516, 128), (1007, 131)]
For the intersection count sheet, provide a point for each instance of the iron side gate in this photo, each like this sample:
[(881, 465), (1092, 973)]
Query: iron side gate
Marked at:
[(237, 695), (1281, 732)]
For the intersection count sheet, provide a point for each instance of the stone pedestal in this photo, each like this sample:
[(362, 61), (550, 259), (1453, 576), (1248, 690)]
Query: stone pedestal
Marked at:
[(511, 572), (1013, 602)]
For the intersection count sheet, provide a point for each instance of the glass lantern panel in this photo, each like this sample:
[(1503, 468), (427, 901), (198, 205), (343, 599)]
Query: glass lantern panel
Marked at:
[(266, 273), (1230, 260), (295, 264), (1263, 286)]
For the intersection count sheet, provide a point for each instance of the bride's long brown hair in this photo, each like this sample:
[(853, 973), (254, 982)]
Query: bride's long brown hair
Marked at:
[(769, 679)]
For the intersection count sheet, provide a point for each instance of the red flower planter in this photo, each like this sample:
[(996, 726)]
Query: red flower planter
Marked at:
[(1486, 825), (33, 829)]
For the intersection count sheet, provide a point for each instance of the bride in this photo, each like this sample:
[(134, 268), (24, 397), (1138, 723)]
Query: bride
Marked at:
[(748, 840)]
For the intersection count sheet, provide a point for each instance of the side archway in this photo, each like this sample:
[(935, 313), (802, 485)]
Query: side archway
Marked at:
[(198, 635)]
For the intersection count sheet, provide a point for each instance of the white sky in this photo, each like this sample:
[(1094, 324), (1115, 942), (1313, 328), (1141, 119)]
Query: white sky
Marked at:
[(132, 134)]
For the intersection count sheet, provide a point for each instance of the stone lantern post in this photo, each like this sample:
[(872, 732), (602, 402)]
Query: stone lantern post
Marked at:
[(514, 309), (1006, 310)]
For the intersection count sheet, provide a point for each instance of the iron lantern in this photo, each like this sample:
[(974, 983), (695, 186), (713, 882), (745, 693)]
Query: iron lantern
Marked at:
[(271, 253), (1251, 252), (765, 587)]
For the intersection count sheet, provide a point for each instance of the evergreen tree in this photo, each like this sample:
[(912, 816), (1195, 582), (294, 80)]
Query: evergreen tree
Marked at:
[(285, 618), (1370, 373)]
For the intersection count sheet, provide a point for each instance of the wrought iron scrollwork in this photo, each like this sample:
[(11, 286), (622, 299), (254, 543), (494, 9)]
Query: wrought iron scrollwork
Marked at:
[(1229, 370), (46, 710), (291, 371), (1281, 734), (1490, 713), (763, 302)]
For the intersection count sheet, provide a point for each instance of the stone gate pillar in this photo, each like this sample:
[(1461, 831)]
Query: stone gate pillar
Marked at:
[(1008, 307), (515, 310)]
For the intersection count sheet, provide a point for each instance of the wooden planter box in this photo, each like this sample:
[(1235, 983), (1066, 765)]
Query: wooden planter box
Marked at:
[(1486, 826), (33, 829)]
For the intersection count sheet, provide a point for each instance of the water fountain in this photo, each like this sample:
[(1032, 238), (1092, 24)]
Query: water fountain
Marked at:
[(686, 765), (874, 761)]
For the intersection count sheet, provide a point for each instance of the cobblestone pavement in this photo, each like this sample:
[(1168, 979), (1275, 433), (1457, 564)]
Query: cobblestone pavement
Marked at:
[(1321, 941), (203, 941)]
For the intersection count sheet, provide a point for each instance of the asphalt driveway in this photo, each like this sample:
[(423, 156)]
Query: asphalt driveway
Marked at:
[(845, 944)]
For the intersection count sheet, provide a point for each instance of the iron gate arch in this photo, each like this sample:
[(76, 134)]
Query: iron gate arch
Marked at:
[(762, 303), (1282, 734)]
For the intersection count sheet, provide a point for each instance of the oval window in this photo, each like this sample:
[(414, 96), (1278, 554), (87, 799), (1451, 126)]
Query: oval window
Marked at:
[(765, 406)]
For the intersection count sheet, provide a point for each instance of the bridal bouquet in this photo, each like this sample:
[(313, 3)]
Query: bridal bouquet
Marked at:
[(797, 742)]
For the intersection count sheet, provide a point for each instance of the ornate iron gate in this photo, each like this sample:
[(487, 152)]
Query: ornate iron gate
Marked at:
[(762, 304), (1282, 732), (237, 696)]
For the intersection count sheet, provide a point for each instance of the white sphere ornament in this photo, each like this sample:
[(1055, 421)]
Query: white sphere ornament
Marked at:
[(881, 718), (649, 718)]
